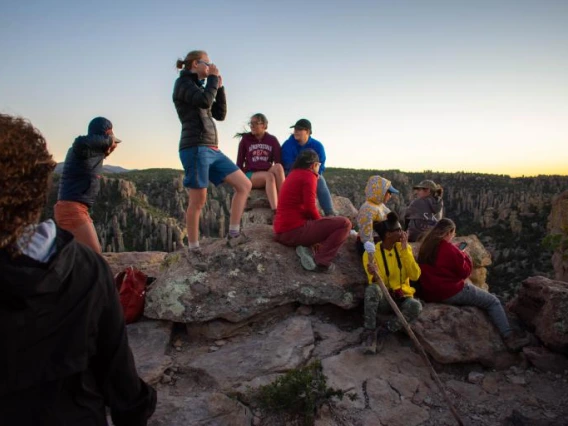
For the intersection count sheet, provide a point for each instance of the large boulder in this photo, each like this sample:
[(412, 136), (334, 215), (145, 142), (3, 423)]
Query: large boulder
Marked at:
[(455, 334), (543, 305), (237, 283)]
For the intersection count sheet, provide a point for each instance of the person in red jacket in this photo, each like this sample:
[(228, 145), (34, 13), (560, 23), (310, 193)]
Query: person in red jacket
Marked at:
[(445, 271), (298, 223)]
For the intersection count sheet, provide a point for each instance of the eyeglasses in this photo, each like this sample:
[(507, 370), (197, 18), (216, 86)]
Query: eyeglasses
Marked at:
[(256, 123), (205, 63)]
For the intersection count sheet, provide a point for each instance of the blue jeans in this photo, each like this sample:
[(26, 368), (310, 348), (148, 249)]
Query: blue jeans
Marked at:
[(324, 197), (474, 296)]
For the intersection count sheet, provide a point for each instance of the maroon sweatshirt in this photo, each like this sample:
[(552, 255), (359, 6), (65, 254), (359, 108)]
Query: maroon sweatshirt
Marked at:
[(258, 155)]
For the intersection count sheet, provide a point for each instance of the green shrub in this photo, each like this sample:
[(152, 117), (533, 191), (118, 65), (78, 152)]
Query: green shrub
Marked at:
[(297, 395)]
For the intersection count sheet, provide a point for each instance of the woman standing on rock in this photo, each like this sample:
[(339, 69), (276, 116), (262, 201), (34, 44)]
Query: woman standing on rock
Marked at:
[(199, 97), (298, 223), (65, 353), (259, 158), (445, 271)]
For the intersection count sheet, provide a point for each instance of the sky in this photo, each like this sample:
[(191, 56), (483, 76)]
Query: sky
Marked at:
[(414, 85)]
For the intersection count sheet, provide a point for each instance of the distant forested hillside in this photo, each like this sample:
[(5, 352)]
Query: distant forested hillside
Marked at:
[(145, 210)]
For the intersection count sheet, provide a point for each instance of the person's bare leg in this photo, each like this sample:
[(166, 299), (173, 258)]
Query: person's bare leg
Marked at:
[(87, 235), (267, 181), (242, 186), (278, 171), (197, 198)]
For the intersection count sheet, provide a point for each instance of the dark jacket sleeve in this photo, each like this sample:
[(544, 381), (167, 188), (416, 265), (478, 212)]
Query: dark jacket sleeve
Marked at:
[(131, 400), (194, 95), (86, 147), (219, 108)]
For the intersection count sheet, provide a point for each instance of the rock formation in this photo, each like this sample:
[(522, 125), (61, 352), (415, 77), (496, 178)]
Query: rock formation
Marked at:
[(558, 235)]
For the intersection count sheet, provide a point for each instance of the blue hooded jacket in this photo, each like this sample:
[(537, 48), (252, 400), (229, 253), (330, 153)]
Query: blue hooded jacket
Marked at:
[(84, 164), (291, 148)]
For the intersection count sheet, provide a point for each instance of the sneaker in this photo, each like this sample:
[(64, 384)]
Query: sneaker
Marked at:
[(516, 341), (369, 340), (306, 258), (325, 269), (238, 240), (332, 213)]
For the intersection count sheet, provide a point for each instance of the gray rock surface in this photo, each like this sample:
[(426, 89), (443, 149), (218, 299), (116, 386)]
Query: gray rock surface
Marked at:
[(456, 334), (149, 341), (543, 305), (235, 284)]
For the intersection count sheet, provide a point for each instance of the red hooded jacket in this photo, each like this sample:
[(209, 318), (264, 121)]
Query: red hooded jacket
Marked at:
[(446, 278)]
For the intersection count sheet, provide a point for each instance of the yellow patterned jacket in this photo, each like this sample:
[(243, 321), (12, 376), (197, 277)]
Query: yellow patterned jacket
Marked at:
[(373, 209)]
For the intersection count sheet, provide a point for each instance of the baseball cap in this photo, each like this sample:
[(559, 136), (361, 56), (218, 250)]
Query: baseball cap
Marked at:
[(393, 190), (102, 126), (426, 184), (303, 123)]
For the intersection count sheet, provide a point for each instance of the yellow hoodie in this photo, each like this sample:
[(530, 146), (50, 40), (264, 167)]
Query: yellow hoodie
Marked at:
[(373, 209)]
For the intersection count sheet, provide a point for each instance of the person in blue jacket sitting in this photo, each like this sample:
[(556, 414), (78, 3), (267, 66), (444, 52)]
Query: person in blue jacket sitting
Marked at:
[(298, 141)]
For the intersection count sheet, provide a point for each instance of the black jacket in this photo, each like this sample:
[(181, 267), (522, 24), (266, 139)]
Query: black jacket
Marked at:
[(81, 171), (196, 107), (65, 352)]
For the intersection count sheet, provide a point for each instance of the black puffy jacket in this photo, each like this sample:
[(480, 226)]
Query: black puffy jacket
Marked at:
[(196, 107), (83, 166), (65, 352)]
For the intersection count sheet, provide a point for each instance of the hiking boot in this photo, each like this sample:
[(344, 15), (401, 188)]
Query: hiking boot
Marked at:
[(516, 341), (369, 340), (306, 258), (238, 240), (325, 269)]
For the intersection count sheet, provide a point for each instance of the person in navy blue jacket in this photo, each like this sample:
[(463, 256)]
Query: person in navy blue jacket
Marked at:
[(79, 184), (298, 141)]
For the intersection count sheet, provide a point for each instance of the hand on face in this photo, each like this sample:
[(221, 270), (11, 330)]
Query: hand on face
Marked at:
[(111, 148), (212, 70), (404, 240)]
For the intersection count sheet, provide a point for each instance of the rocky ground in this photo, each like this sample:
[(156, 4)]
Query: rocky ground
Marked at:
[(197, 379), (251, 314)]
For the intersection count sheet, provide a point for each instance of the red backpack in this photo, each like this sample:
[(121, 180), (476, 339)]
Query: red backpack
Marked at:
[(131, 285)]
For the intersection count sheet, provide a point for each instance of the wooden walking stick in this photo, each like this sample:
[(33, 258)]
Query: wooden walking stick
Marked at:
[(372, 267)]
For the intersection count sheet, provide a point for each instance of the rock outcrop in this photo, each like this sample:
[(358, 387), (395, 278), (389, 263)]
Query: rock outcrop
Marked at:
[(236, 284), (543, 305), (204, 376), (452, 334), (558, 235)]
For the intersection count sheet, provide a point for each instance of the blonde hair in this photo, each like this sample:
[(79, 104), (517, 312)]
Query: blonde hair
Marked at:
[(194, 55)]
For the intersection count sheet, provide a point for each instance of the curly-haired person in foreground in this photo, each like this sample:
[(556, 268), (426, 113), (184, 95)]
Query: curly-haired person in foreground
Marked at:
[(65, 353)]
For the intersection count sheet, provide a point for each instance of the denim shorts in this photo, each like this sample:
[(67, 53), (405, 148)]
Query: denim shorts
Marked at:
[(203, 164)]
